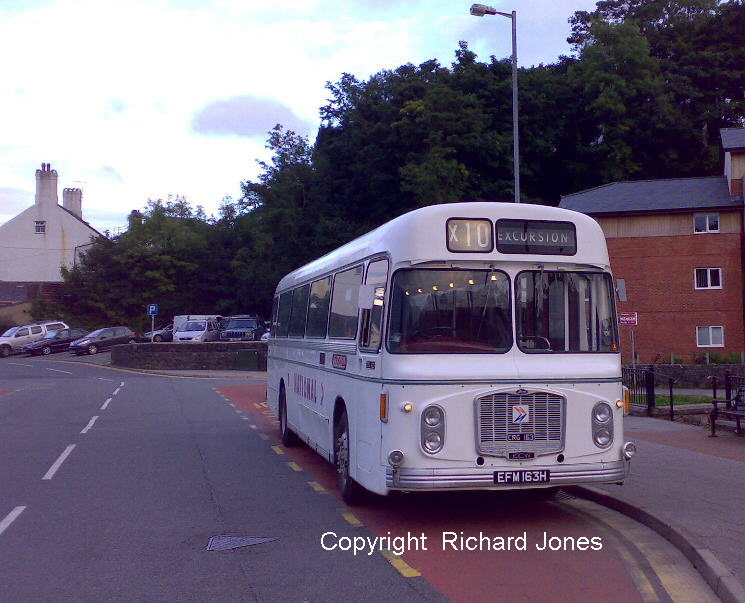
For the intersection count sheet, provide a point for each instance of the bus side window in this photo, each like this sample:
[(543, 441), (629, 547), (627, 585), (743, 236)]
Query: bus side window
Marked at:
[(372, 319), (345, 304), (283, 314), (273, 326), (318, 310), (299, 310)]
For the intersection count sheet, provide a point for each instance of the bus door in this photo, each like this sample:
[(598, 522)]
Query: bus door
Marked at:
[(372, 299)]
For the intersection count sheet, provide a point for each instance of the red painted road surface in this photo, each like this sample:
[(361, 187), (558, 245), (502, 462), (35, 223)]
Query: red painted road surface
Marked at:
[(462, 575)]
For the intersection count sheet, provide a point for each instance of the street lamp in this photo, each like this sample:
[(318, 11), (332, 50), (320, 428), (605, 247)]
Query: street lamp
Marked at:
[(479, 10)]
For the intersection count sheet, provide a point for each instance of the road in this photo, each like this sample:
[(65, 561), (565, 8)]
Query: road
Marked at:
[(114, 484)]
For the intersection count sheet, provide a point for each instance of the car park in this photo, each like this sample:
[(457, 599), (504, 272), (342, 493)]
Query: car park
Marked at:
[(13, 340), (198, 331), (164, 333), (246, 327), (54, 341), (102, 339)]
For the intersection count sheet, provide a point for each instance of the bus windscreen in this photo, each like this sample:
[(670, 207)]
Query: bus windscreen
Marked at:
[(450, 311)]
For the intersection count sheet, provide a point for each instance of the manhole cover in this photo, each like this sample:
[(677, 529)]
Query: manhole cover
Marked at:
[(233, 541)]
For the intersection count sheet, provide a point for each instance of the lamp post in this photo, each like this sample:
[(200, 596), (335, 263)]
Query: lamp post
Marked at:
[(479, 10)]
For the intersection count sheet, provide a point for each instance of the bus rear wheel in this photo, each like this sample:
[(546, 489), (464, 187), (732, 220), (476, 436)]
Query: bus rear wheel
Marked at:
[(351, 492), (289, 438)]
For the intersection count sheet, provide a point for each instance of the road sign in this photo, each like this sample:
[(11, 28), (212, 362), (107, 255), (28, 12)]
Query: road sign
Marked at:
[(627, 318), (152, 310)]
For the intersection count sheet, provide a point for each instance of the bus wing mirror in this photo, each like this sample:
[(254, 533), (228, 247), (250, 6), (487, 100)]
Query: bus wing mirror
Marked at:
[(366, 297)]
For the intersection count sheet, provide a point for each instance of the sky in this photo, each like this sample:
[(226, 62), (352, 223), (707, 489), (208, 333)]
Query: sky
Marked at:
[(133, 100)]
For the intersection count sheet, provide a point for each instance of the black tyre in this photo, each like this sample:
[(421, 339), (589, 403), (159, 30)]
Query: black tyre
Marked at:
[(92, 349), (351, 492), (4, 351), (46, 350), (158, 338), (289, 437)]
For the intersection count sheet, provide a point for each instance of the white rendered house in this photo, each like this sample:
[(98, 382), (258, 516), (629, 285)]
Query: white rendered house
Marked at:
[(46, 236)]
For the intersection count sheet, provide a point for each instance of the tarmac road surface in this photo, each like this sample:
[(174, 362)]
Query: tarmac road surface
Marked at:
[(114, 484)]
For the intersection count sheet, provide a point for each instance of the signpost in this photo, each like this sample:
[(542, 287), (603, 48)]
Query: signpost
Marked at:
[(629, 319), (152, 312)]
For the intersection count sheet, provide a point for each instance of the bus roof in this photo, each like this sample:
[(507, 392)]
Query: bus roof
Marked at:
[(421, 236)]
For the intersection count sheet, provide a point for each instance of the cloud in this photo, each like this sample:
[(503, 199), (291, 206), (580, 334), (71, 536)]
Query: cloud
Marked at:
[(106, 171), (14, 200), (246, 116)]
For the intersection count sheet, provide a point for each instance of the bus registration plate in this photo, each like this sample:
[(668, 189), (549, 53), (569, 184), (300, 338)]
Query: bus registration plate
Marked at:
[(541, 476)]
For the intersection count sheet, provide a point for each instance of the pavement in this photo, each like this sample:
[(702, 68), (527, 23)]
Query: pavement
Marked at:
[(683, 484)]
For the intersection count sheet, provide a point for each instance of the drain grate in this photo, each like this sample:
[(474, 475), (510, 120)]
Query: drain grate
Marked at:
[(234, 541)]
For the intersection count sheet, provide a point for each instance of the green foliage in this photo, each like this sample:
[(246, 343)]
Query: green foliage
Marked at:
[(644, 97)]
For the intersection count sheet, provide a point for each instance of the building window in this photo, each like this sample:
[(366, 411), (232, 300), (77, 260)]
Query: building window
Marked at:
[(41, 226), (705, 223), (710, 337), (708, 278)]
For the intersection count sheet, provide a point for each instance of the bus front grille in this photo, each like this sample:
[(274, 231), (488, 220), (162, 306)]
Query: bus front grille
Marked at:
[(513, 423)]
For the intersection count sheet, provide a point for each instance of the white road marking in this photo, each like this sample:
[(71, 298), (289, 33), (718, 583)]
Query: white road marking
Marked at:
[(20, 364), (90, 424), (53, 469), (116, 391), (104, 379), (121, 384), (59, 371), (10, 518), (105, 404)]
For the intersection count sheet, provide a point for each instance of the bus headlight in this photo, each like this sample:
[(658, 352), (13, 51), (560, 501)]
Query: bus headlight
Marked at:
[(601, 413), (432, 416), (433, 429), (602, 425), (629, 450), (432, 441), (602, 437)]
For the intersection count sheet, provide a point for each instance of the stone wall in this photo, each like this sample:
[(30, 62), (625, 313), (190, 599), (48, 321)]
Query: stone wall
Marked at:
[(214, 356)]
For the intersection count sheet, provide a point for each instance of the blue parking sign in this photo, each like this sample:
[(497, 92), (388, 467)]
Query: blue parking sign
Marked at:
[(152, 310)]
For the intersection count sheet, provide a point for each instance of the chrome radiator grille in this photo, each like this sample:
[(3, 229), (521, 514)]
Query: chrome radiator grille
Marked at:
[(495, 425)]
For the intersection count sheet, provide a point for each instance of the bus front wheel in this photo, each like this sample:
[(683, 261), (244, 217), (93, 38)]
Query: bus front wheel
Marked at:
[(351, 492), (289, 438)]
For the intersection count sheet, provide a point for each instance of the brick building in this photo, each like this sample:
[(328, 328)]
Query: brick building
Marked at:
[(676, 247)]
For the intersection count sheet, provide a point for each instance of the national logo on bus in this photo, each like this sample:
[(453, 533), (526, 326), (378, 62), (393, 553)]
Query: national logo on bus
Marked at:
[(520, 414)]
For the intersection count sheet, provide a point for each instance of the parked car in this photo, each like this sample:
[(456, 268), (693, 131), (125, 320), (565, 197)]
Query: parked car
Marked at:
[(181, 319), (246, 327), (164, 333), (102, 339), (13, 340), (198, 331), (54, 341)]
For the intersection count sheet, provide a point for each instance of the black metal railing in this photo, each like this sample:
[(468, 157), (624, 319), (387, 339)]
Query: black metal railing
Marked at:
[(641, 385)]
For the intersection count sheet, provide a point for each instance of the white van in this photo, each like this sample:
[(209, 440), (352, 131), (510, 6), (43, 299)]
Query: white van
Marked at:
[(13, 340), (198, 330)]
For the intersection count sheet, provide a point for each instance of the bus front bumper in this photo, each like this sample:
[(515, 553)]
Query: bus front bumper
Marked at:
[(405, 478)]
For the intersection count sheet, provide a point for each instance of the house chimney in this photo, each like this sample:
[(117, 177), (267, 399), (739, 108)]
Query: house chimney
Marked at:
[(72, 200), (46, 185)]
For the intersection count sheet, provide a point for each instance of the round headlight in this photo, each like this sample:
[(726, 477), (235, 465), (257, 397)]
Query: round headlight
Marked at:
[(601, 413), (432, 441), (432, 416), (602, 437), (629, 450), (395, 458)]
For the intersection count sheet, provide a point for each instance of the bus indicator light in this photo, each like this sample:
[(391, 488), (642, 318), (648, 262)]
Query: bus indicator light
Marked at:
[(384, 408)]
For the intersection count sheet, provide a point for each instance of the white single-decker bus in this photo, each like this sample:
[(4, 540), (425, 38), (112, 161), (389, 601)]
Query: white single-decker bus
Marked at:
[(458, 346)]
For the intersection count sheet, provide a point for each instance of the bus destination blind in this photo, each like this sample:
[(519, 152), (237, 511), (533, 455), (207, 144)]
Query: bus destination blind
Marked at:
[(536, 236)]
